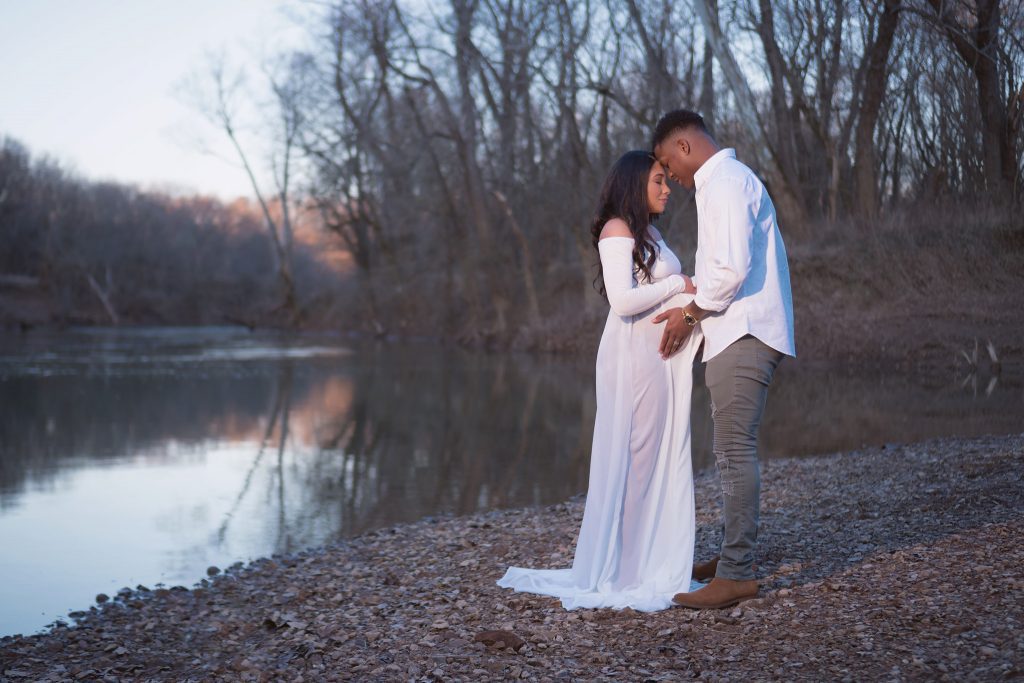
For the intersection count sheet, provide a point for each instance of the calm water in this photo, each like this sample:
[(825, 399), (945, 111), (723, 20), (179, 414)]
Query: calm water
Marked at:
[(145, 456)]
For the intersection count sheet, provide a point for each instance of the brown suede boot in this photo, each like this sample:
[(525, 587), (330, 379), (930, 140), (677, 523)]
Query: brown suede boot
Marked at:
[(703, 572), (718, 594)]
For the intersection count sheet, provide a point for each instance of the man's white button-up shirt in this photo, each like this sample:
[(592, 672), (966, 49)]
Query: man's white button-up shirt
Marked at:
[(742, 273)]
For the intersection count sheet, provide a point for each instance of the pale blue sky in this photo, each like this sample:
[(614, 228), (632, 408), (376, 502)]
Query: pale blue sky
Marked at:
[(93, 83)]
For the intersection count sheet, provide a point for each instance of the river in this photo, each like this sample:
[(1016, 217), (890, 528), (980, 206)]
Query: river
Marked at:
[(145, 456)]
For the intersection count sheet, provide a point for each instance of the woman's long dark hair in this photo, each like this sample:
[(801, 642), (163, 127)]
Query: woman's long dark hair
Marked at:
[(624, 195)]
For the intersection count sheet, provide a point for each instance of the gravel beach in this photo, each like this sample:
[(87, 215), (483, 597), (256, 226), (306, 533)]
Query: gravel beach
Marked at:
[(895, 563)]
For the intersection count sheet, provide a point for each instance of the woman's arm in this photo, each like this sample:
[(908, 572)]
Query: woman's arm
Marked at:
[(624, 295)]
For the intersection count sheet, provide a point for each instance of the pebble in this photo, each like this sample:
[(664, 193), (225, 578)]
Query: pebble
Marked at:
[(399, 604)]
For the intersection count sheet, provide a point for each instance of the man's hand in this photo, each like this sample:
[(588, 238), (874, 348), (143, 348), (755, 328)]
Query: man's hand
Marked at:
[(676, 331)]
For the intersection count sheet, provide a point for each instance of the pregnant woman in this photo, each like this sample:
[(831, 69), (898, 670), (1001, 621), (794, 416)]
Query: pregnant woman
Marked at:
[(635, 548)]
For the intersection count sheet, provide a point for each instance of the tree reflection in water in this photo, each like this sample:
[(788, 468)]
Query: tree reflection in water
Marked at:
[(212, 462), (393, 433), (445, 431)]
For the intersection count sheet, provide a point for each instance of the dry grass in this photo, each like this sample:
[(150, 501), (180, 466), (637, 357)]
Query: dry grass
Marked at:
[(915, 288)]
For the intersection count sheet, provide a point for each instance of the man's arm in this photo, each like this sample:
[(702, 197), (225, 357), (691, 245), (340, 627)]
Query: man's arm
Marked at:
[(732, 207)]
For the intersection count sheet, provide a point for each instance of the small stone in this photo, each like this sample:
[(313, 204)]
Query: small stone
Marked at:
[(785, 592), (492, 638), (987, 651), (212, 571), (102, 598)]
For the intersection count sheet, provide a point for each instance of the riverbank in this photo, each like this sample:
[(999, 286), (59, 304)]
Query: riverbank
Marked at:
[(925, 288), (901, 562), (914, 331), (878, 305)]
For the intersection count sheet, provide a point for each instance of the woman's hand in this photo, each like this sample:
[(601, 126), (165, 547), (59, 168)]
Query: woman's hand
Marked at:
[(690, 287)]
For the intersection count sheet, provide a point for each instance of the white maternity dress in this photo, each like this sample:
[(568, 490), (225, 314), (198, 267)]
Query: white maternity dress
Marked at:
[(635, 547)]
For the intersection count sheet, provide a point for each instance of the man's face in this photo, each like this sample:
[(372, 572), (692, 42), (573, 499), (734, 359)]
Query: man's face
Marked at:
[(674, 154)]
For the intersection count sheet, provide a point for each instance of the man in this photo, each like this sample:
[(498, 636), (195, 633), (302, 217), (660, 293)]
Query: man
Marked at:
[(745, 308)]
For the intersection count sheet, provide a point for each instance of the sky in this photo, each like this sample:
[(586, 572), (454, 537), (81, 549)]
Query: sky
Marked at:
[(96, 84)]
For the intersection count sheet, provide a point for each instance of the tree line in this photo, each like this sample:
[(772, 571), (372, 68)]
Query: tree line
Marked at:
[(76, 251), (455, 147)]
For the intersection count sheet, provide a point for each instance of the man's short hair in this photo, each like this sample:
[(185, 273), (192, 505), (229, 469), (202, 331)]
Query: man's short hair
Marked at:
[(678, 119)]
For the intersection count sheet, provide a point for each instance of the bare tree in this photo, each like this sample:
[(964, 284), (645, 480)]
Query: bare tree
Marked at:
[(875, 81), (220, 105), (973, 28), (764, 153)]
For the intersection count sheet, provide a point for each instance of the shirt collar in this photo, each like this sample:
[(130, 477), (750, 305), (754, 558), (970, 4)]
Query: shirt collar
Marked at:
[(703, 173)]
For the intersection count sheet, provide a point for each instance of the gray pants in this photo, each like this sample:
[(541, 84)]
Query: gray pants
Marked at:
[(738, 380)]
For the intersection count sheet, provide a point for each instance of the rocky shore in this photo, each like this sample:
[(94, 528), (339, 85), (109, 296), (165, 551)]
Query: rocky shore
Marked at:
[(900, 563)]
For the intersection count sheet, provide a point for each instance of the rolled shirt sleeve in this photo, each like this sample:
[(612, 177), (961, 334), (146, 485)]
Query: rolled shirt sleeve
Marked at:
[(625, 296), (732, 208)]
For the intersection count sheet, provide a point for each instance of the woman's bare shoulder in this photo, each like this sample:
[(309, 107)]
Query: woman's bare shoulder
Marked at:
[(616, 227)]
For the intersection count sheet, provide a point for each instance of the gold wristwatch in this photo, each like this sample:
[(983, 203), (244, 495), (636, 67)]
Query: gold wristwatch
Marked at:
[(688, 317)]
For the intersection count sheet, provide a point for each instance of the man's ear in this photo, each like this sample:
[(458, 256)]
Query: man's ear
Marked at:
[(684, 144)]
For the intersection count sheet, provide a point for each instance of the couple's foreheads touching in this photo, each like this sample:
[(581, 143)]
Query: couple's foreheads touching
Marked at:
[(681, 143)]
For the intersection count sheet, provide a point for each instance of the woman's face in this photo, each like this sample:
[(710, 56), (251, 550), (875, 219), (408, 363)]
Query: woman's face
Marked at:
[(657, 189)]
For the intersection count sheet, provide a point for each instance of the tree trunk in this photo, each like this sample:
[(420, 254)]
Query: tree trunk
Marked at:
[(787, 124), (978, 47), (789, 203), (532, 302), (104, 296), (874, 88), (707, 87), (467, 143)]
